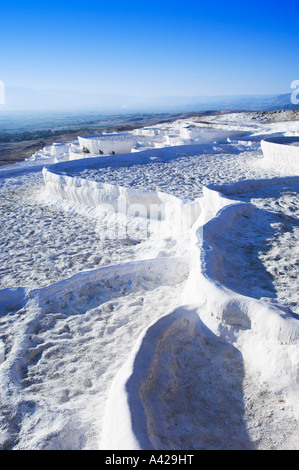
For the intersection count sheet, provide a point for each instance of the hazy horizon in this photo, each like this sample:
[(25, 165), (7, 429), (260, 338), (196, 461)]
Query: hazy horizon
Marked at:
[(29, 99)]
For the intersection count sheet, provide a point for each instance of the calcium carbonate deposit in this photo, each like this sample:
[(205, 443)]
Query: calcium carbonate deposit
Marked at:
[(149, 290)]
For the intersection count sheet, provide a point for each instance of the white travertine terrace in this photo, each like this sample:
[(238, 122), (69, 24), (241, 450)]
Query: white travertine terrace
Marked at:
[(181, 343), (281, 152)]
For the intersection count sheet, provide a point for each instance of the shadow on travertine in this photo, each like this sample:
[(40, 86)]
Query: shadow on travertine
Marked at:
[(235, 241), (250, 248), (185, 391)]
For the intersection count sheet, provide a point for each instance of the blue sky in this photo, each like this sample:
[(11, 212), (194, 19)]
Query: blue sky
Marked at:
[(152, 48)]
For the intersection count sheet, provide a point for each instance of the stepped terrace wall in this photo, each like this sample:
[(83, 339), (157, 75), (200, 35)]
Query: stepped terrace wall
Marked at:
[(282, 152)]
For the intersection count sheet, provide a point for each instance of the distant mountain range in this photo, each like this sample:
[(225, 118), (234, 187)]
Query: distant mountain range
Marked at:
[(19, 99)]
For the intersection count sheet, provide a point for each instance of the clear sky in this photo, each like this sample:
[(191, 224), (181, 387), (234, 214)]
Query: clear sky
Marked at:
[(151, 48)]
